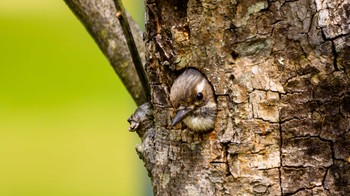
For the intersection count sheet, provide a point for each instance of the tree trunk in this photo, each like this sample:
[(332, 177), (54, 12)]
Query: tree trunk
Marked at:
[(280, 74)]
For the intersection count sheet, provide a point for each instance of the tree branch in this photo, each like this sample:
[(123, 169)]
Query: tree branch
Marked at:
[(100, 20), (123, 20)]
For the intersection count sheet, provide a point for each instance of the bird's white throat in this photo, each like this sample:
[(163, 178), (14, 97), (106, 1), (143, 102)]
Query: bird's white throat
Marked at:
[(199, 123)]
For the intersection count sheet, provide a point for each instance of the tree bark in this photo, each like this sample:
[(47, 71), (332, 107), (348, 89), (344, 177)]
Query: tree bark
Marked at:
[(280, 73)]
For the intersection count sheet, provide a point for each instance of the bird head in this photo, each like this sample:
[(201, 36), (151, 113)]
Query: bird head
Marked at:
[(193, 97)]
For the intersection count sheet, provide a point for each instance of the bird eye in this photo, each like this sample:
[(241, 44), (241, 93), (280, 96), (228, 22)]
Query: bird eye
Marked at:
[(199, 96)]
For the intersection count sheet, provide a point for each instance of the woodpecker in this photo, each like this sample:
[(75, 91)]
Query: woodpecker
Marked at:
[(193, 97)]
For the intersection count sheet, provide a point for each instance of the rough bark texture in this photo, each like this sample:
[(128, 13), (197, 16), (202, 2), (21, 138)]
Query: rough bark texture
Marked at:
[(280, 73), (99, 19)]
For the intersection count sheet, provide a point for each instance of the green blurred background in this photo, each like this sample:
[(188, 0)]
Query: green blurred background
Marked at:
[(63, 111)]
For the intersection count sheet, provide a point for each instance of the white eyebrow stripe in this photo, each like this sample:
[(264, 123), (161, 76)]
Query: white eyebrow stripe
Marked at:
[(200, 86)]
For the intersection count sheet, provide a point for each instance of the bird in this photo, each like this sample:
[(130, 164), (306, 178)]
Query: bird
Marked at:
[(193, 97)]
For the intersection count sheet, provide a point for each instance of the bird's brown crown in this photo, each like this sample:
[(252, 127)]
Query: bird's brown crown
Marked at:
[(188, 88)]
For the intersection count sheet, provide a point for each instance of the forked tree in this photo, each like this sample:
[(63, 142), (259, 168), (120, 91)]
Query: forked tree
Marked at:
[(280, 73)]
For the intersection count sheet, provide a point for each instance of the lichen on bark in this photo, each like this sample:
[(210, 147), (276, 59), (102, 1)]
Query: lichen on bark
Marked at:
[(279, 70)]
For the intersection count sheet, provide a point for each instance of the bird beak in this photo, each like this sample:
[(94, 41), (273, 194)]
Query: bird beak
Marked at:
[(181, 114)]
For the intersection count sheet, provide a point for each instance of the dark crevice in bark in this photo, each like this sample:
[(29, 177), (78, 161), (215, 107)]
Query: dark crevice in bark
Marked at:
[(281, 160), (268, 169), (324, 178), (264, 120), (296, 167), (265, 90), (331, 38), (234, 54), (226, 154), (300, 190), (335, 56)]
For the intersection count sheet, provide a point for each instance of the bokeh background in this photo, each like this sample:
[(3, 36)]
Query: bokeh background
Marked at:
[(63, 111)]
